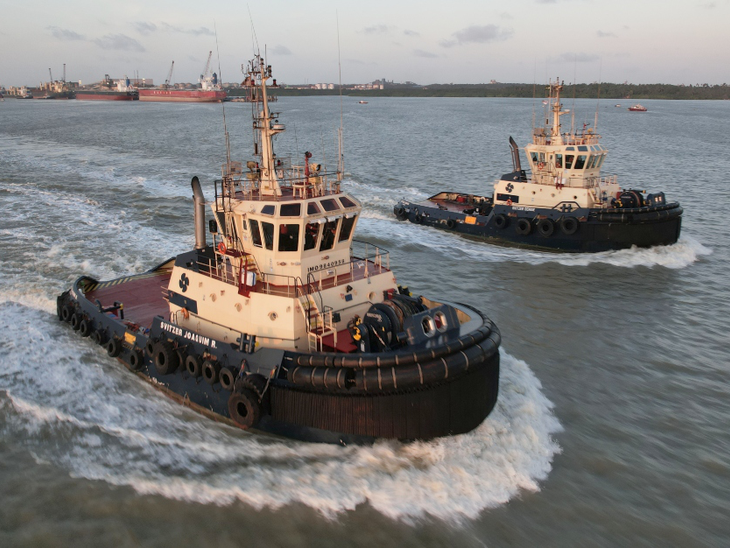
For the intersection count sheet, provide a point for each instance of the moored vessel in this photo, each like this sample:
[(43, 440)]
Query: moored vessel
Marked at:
[(109, 90), (210, 90), (564, 204), (284, 322), (637, 108)]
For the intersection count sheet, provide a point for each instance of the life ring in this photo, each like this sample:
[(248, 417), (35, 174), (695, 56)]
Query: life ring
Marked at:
[(509, 201), (501, 221), (545, 227), (244, 409), (569, 225), (541, 165), (451, 223), (222, 248), (185, 313), (524, 226)]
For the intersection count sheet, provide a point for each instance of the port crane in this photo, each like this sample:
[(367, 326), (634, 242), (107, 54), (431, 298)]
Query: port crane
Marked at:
[(169, 75)]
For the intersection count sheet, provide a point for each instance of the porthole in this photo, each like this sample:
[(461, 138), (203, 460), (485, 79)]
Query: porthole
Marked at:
[(440, 321)]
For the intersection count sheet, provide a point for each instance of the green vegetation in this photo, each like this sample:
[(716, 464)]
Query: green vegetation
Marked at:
[(589, 91)]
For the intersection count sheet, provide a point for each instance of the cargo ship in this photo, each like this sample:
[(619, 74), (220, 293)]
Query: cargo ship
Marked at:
[(283, 322), (109, 90), (563, 205), (210, 90)]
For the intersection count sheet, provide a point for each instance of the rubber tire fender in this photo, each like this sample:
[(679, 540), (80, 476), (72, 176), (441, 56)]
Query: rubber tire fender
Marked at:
[(136, 359), (451, 224), (227, 378), (67, 312), (194, 365), (545, 227), (85, 327), (569, 225), (244, 408), (501, 221), (113, 347), (75, 321), (524, 226), (165, 357), (211, 371)]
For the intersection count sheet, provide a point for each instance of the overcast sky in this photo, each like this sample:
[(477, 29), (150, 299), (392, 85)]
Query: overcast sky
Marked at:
[(423, 41)]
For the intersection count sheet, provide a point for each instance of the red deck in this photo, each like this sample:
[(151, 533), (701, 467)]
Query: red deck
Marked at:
[(143, 296)]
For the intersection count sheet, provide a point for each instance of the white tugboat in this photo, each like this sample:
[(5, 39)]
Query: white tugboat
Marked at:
[(284, 323), (565, 204)]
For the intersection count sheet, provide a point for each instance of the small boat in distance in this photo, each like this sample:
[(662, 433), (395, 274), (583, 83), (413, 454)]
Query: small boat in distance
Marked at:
[(564, 205), (363, 102), (286, 324), (637, 108)]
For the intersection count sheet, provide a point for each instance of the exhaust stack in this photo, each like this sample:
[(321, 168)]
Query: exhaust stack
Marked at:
[(515, 154), (199, 209)]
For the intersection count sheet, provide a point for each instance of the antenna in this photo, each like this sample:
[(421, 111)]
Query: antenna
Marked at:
[(255, 39), (341, 159), (598, 99), (223, 103)]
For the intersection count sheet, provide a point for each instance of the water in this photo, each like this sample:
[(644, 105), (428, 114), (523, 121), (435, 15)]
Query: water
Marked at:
[(611, 427)]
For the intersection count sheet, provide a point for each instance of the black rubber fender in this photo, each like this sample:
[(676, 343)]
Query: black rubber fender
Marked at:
[(98, 336), (569, 225), (211, 371), (244, 408), (85, 327), (76, 321), (194, 365), (136, 359), (113, 347), (524, 226), (545, 227), (501, 221), (227, 378), (165, 357), (451, 224)]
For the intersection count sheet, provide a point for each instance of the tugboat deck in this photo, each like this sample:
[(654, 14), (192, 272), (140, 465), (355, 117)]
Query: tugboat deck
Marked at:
[(142, 296)]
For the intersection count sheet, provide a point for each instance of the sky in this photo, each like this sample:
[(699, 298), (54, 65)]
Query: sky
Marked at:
[(426, 42)]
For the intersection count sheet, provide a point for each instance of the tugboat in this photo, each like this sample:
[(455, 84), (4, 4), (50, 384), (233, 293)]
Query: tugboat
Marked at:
[(565, 205), (285, 324)]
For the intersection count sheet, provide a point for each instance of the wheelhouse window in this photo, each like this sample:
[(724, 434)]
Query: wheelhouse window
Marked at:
[(346, 230), (311, 235), (268, 230), (330, 205), (268, 209), (291, 210), (255, 233), (580, 163), (313, 208), (346, 202), (534, 157), (288, 237), (569, 161), (558, 160), (328, 235)]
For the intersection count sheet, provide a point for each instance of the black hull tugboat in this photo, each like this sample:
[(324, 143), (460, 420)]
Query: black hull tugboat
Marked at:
[(284, 323), (565, 205)]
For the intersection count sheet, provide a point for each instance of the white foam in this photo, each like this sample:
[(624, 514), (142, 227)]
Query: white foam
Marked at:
[(87, 414)]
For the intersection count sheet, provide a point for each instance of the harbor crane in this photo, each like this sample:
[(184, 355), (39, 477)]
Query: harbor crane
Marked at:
[(169, 75)]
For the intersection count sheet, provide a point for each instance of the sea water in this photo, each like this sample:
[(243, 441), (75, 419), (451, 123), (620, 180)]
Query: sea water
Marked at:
[(610, 429)]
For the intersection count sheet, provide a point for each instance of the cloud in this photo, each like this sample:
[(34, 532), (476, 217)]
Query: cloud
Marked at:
[(377, 29), (281, 50), (602, 34), (426, 54), (578, 57), (65, 34), (144, 27), (477, 35), (411, 33), (118, 42)]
